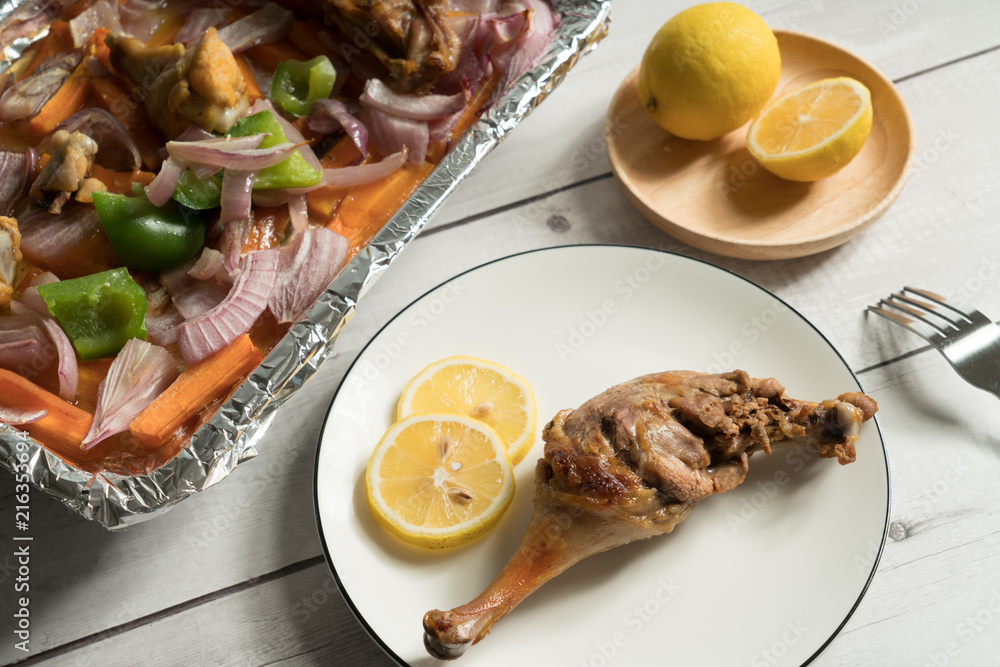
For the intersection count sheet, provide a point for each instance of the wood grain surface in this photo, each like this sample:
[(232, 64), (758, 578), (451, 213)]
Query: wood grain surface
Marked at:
[(235, 575)]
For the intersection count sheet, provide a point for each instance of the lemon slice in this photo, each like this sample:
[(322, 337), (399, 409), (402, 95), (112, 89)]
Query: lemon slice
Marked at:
[(439, 480), (813, 132), (480, 389)]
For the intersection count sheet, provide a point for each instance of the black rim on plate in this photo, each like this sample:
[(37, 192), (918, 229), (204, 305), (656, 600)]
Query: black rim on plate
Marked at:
[(319, 526)]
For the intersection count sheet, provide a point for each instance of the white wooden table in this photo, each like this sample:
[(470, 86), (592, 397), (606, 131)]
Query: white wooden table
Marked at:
[(236, 575)]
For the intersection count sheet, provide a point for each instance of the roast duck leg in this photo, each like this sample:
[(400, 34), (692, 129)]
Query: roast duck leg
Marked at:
[(632, 462)]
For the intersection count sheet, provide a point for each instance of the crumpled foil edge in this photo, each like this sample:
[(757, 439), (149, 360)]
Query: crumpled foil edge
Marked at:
[(231, 435)]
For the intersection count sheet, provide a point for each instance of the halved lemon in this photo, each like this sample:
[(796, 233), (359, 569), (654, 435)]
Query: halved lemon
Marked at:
[(484, 390), (439, 480), (813, 132)]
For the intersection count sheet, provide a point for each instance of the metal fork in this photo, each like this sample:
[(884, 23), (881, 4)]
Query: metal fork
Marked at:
[(969, 340)]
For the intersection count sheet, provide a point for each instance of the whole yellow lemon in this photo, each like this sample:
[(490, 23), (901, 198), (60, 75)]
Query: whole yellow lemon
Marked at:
[(709, 70)]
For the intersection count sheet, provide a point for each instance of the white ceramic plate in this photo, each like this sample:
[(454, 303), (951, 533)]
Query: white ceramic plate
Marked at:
[(764, 575)]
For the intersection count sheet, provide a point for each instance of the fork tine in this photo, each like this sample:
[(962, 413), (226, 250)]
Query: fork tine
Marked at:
[(928, 332), (939, 300), (896, 303), (899, 296)]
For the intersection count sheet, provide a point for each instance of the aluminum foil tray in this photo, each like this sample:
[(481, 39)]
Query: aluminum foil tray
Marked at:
[(231, 435)]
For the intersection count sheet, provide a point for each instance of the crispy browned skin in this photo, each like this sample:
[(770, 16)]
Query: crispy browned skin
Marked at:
[(413, 39), (201, 85), (632, 462)]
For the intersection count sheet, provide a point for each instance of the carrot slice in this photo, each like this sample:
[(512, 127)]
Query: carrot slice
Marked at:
[(68, 100), (366, 208), (199, 385), (120, 182), (305, 35), (65, 425)]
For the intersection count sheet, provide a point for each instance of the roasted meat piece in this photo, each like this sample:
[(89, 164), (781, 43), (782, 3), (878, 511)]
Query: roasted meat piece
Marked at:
[(201, 85), (71, 159), (412, 38), (10, 255), (632, 462)]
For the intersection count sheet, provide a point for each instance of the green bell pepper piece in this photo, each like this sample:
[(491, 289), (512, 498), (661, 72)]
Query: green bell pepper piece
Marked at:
[(293, 171), (99, 312), (298, 84), (199, 194), (149, 237)]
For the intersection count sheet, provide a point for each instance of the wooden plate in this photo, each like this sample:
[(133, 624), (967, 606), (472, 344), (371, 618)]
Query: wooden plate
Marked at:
[(713, 195)]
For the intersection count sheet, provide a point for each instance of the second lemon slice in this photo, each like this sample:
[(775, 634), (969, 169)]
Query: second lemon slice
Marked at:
[(480, 389), (438, 480), (813, 132)]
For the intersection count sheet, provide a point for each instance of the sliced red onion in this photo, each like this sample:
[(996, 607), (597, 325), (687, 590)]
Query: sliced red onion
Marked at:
[(307, 266), (207, 265), (13, 179), (141, 18), (205, 335), (515, 56), (235, 197), (344, 177), (46, 238), (198, 21), (101, 14), (510, 26), (161, 189), (117, 149), (140, 372), (268, 24), (200, 298), (249, 159), (205, 150), (161, 328), (68, 370), (25, 98), (178, 279), (32, 299), (416, 107), (329, 115), (390, 134), (195, 133), (234, 237), (22, 343), (291, 132), (19, 417), (466, 76), (298, 212)]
